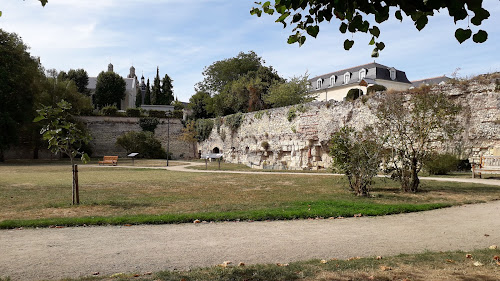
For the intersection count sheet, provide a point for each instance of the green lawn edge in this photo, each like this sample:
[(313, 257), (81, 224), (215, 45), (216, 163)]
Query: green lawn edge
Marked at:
[(298, 210)]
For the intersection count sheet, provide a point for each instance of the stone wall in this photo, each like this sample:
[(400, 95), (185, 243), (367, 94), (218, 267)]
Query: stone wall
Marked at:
[(302, 143), (105, 131)]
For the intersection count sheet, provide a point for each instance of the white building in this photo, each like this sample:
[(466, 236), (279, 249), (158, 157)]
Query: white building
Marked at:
[(335, 85)]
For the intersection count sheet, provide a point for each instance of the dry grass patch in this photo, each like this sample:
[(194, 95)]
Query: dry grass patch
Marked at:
[(43, 190)]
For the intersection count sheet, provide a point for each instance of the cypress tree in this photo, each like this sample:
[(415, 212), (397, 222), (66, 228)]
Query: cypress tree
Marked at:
[(147, 98), (156, 97), (166, 89)]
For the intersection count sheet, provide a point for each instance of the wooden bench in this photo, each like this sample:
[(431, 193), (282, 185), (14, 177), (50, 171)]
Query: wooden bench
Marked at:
[(111, 160), (487, 165)]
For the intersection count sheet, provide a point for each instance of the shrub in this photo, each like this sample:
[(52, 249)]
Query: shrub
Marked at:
[(178, 114), (375, 88), (157, 113), (265, 145), (259, 114), (292, 113), (109, 110), (204, 129), (301, 108), (353, 94), (143, 143), (133, 112), (441, 164), (149, 124), (357, 155), (234, 121)]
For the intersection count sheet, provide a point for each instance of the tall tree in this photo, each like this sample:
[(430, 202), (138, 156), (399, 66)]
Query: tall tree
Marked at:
[(305, 16), (54, 91), (167, 92), (81, 79), (290, 92), (411, 125), (147, 96), (109, 90), (20, 76), (138, 97), (156, 92), (198, 103), (220, 73)]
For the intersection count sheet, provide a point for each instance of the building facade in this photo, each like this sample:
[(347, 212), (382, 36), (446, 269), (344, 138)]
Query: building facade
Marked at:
[(335, 85)]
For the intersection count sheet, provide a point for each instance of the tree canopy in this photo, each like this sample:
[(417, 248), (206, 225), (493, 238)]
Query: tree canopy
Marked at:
[(219, 73), (81, 79), (293, 91), (306, 16), (20, 76), (233, 85), (109, 90), (167, 90)]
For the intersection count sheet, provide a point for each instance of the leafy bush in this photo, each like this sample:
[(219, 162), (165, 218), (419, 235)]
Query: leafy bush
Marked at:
[(149, 124), (109, 110), (204, 129), (353, 94), (357, 155), (441, 164), (143, 143), (157, 113), (178, 114), (133, 112), (292, 113), (301, 108), (234, 121), (376, 88), (259, 114)]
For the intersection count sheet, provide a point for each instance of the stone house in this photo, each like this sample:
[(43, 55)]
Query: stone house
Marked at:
[(335, 85), (131, 85)]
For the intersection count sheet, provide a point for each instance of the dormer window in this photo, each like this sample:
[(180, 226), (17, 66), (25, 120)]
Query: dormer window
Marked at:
[(392, 72), (319, 83), (362, 74), (347, 77), (333, 80)]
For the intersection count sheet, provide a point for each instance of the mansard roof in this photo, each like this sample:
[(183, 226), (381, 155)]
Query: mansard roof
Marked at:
[(430, 81), (374, 71)]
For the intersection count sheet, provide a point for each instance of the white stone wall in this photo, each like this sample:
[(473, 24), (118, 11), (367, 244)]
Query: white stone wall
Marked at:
[(303, 142)]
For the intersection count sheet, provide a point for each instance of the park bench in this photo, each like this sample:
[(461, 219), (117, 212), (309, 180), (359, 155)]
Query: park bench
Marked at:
[(487, 165), (111, 160)]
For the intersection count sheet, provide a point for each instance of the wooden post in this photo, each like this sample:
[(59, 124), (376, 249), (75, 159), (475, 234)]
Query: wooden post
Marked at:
[(206, 163), (73, 195), (219, 163), (77, 190)]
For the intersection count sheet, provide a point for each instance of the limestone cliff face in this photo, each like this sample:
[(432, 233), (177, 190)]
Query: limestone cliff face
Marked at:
[(302, 142)]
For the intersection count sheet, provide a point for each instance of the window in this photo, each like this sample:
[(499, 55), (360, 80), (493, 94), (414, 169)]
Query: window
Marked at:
[(319, 83), (347, 77), (333, 80), (393, 73), (362, 74)]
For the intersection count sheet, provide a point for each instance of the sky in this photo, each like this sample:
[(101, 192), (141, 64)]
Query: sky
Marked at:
[(182, 37)]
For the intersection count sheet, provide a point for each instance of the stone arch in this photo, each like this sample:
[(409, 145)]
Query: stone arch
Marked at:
[(216, 150)]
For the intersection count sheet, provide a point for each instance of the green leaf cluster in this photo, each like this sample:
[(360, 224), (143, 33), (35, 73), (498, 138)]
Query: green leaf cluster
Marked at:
[(110, 89), (204, 129), (306, 16)]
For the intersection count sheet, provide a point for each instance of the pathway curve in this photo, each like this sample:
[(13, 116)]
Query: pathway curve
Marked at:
[(54, 253)]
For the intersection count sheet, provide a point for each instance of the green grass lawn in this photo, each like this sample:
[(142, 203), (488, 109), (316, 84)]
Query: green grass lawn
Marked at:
[(38, 193)]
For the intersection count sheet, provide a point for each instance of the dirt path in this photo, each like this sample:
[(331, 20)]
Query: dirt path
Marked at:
[(33, 254)]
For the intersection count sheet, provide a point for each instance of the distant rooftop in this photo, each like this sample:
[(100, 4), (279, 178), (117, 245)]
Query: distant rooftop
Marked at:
[(430, 81)]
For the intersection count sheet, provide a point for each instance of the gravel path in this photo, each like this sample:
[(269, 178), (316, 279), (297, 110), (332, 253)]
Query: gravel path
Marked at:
[(33, 254)]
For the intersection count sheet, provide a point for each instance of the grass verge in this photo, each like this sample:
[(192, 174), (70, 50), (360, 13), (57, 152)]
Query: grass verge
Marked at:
[(435, 266), (298, 210)]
